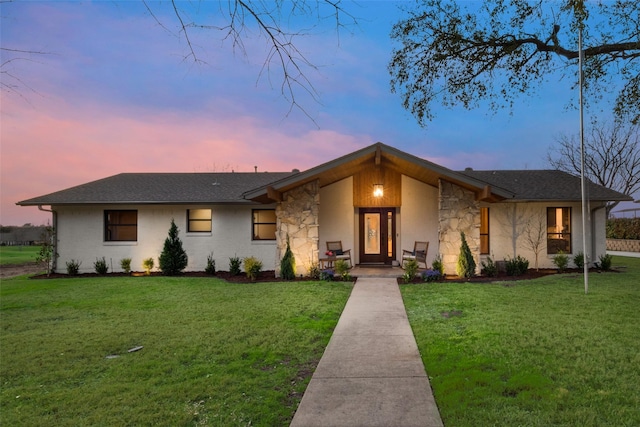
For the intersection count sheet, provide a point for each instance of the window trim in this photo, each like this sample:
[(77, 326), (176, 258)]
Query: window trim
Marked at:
[(199, 220), (563, 235), (107, 225), (253, 225), (487, 233)]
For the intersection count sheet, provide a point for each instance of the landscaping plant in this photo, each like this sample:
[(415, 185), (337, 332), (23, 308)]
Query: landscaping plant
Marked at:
[(489, 268), (148, 264), (516, 266), (252, 267), (437, 264), (211, 265), (73, 267), (100, 266), (561, 260), (234, 265), (606, 261), (47, 252), (125, 264), (342, 269), (410, 270), (288, 264), (173, 258), (466, 266), (578, 260)]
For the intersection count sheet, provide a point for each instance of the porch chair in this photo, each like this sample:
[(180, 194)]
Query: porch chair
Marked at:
[(339, 253), (419, 253)]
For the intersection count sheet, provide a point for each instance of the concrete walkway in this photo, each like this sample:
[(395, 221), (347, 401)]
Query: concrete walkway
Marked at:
[(371, 373)]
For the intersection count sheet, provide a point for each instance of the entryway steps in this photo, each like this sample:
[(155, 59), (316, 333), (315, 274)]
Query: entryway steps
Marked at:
[(371, 373)]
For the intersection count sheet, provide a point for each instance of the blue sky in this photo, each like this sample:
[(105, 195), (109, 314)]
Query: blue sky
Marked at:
[(114, 93)]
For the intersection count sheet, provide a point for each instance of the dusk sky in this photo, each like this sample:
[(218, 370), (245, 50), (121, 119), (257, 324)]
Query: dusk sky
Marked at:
[(112, 92)]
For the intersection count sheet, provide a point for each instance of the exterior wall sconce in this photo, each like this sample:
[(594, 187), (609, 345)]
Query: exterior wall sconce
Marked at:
[(378, 190)]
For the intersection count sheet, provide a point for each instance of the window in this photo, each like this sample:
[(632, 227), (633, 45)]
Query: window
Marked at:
[(198, 220), (484, 230), (264, 224), (120, 226), (558, 230)]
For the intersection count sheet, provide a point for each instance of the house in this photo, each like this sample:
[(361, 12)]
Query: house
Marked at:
[(531, 213)]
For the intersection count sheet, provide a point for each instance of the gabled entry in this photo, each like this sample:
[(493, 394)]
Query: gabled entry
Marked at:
[(377, 232)]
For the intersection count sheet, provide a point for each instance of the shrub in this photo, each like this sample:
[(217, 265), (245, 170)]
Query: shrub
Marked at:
[(252, 266), (410, 270), (47, 253), (125, 264), (623, 228), (211, 265), (288, 264), (466, 266), (314, 271), (489, 268), (73, 267), (326, 275), (148, 264), (516, 266), (578, 260), (234, 265), (605, 262), (101, 266), (342, 269), (437, 265), (561, 260), (430, 275), (173, 258)]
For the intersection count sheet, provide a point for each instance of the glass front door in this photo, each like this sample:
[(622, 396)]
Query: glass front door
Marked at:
[(377, 235)]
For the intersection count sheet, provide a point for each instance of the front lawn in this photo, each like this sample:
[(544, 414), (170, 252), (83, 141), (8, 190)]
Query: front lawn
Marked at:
[(18, 254), (213, 353), (533, 353)]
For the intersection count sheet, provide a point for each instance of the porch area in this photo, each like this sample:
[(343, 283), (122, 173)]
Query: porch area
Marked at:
[(367, 271)]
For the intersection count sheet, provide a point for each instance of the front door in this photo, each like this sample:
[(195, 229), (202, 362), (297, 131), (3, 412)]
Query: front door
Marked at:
[(377, 235)]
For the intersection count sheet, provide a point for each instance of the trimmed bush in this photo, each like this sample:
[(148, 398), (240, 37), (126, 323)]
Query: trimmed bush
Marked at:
[(466, 266), (252, 266), (489, 268), (234, 265), (578, 260), (516, 266), (410, 270), (561, 260), (173, 258), (73, 267), (125, 265), (211, 265), (288, 264), (605, 262), (623, 228), (148, 265), (100, 266)]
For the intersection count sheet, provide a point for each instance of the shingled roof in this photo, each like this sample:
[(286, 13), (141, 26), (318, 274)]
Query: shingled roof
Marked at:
[(161, 188), (544, 185)]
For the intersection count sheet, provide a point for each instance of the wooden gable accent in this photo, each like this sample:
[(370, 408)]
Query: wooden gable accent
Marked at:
[(368, 176)]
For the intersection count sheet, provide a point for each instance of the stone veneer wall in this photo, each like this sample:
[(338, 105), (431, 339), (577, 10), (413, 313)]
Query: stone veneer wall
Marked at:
[(459, 211), (623, 245), (297, 217)]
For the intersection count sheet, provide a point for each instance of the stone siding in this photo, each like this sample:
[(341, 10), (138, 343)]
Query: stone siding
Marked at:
[(623, 245), (459, 212), (297, 217)]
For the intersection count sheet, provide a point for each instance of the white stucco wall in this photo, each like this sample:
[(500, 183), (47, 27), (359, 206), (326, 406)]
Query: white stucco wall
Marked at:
[(502, 224), (337, 217), (418, 217), (80, 232)]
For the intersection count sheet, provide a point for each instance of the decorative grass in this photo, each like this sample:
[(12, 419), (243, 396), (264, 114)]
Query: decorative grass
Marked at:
[(18, 254), (213, 353), (533, 353)]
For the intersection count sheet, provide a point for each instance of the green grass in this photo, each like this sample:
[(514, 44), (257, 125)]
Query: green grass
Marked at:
[(533, 353), (214, 353), (18, 254)]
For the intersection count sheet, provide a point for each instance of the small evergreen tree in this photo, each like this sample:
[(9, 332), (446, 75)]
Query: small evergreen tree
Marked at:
[(173, 258), (288, 264), (466, 266)]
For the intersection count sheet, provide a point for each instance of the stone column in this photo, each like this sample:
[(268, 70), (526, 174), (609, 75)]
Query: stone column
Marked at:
[(297, 218), (458, 212)]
